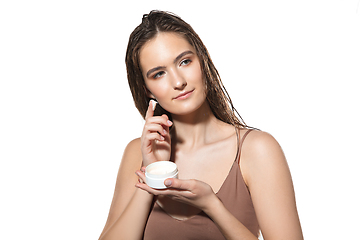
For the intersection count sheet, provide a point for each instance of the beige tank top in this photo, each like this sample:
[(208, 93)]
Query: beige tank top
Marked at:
[(234, 195)]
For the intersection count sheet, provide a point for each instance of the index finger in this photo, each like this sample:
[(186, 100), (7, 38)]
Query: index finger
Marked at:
[(151, 108)]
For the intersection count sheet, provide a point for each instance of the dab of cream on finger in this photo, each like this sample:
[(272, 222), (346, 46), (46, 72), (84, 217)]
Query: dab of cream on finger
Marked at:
[(153, 103)]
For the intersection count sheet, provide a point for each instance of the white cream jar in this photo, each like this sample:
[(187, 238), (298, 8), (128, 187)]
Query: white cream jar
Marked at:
[(156, 173)]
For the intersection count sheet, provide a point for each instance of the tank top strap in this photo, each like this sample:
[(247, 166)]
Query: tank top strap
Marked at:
[(238, 154)]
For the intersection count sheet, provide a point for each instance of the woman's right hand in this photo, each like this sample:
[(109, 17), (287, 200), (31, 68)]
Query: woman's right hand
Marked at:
[(155, 139)]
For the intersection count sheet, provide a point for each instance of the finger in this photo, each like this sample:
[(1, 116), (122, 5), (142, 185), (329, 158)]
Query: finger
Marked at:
[(141, 176), (151, 108), (168, 123), (145, 187), (180, 184), (155, 136), (163, 120), (151, 128), (176, 194)]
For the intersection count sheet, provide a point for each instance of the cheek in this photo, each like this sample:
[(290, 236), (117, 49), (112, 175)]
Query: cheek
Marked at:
[(158, 88), (195, 75)]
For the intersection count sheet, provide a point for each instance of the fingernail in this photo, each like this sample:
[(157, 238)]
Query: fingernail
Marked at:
[(168, 182), (162, 138), (169, 122), (164, 131)]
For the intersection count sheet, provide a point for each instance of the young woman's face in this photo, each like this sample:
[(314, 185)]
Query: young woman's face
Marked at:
[(172, 73)]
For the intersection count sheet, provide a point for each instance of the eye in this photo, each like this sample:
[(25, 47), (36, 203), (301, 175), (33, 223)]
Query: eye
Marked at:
[(185, 62), (159, 74)]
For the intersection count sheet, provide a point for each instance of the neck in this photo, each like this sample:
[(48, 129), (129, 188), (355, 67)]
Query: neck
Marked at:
[(195, 129)]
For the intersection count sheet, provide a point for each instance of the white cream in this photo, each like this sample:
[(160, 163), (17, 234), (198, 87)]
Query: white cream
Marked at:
[(160, 171), (153, 104)]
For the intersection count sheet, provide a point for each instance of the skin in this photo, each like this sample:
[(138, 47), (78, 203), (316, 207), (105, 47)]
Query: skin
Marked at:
[(204, 149)]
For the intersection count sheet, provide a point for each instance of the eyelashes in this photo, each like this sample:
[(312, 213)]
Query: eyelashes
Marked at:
[(185, 62), (159, 74)]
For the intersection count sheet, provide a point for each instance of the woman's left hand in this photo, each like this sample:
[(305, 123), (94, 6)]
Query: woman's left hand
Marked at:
[(193, 192)]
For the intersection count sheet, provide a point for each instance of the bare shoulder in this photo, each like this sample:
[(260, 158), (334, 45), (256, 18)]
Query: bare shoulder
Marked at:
[(133, 147), (132, 154), (261, 152), (261, 142), (130, 162)]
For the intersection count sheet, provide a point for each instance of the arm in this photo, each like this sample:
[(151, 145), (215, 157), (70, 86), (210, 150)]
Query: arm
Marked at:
[(268, 178), (229, 226), (129, 207)]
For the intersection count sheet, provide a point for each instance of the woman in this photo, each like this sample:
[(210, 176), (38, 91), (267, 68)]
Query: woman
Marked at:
[(228, 188)]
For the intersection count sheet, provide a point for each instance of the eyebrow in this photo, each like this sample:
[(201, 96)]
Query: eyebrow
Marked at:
[(175, 60), (181, 55)]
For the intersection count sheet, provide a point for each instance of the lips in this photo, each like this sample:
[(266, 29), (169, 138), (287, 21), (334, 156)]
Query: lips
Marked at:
[(184, 95)]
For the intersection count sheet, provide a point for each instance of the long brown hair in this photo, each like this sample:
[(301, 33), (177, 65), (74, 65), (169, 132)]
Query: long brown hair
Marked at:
[(159, 21)]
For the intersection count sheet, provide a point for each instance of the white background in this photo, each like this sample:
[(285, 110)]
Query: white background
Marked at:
[(292, 69)]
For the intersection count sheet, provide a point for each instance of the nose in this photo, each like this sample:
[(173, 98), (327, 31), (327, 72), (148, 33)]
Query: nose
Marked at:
[(180, 85), (179, 82)]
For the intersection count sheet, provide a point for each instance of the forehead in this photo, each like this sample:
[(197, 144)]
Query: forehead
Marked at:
[(163, 49)]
